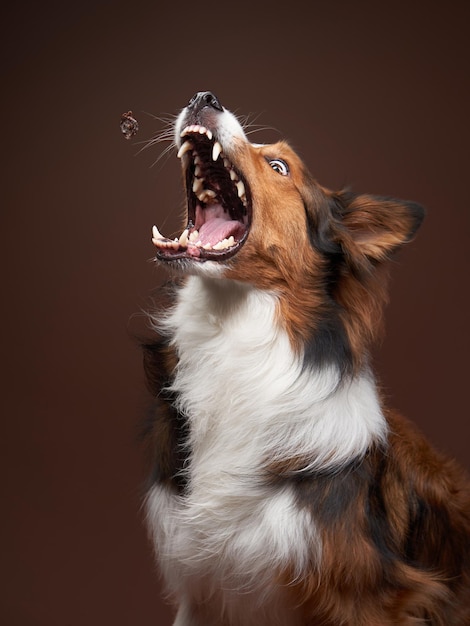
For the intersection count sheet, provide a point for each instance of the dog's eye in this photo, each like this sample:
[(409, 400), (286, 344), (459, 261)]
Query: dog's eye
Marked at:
[(279, 166)]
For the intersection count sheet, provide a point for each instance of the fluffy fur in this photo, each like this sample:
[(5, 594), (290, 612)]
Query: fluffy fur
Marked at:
[(282, 489)]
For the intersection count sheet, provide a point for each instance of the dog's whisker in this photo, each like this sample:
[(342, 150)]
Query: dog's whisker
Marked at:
[(260, 129), (246, 118), (154, 140), (165, 136), (167, 119), (165, 153), (160, 138), (250, 126)]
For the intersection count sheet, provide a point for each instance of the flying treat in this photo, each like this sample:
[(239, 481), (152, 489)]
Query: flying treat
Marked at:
[(129, 125)]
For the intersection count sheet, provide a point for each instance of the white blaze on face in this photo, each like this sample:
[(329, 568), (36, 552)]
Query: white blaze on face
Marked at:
[(227, 125)]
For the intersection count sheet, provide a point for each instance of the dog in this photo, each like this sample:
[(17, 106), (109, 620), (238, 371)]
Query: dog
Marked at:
[(283, 491)]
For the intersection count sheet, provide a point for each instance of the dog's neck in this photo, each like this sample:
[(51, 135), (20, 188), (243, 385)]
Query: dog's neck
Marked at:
[(238, 379)]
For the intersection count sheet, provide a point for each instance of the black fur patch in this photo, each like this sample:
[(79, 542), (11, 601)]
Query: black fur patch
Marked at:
[(330, 494), (377, 517), (166, 430), (329, 343), (445, 545), (349, 494)]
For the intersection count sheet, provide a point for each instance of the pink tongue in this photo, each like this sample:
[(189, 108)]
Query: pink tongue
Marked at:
[(218, 228)]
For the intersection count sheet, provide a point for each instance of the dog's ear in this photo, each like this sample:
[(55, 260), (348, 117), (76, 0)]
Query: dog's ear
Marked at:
[(375, 227)]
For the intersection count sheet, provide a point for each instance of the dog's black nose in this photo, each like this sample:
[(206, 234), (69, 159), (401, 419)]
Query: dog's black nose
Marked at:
[(203, 99)]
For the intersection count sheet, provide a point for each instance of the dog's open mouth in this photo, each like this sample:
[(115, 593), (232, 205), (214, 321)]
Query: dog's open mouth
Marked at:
[(218, 202)]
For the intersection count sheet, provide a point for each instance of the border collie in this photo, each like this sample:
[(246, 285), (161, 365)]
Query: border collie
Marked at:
[(284, 491)]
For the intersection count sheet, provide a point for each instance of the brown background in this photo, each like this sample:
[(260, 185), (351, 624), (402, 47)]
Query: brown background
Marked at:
[(372, 95)]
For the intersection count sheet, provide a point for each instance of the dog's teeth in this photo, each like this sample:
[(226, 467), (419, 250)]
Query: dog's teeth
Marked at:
[(227, 164), (187, 145), (197, 171), (183, 240), (225, 243), (240, 189), (157, 234), (216, 150), (207, 246), (161, 244), (205, 195), (231, 240), (194, 236), (197, 160), (198, 184), (189, 129), (233, 175), (196, 128)]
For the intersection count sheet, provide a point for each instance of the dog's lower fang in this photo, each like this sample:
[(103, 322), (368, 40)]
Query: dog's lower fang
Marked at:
[(183, 240), (156, 234)]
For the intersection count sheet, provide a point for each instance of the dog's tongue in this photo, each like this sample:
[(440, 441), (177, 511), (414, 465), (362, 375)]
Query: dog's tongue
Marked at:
[(215, 230), (218, 227)]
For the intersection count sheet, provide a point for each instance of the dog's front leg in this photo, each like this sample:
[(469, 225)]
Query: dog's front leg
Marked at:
[(183, 616), (187, 615)]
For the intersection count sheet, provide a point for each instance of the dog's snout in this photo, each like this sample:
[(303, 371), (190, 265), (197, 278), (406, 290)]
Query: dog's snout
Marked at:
[(204, 99)]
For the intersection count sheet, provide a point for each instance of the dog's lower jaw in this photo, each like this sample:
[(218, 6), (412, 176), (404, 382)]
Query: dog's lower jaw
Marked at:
[(189, 267)]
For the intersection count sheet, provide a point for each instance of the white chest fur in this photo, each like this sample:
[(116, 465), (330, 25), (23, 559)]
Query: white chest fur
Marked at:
[(246, 394), (249, 403)]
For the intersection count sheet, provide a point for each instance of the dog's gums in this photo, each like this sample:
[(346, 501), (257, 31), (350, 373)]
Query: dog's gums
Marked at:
[(218, 202)]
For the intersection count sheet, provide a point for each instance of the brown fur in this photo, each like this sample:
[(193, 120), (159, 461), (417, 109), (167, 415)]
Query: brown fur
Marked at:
[(278, 249), (422, 576), (394, 525), (278, 254)]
